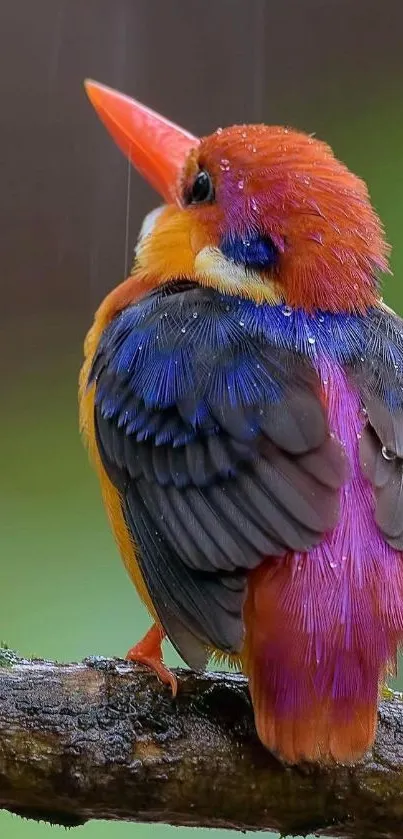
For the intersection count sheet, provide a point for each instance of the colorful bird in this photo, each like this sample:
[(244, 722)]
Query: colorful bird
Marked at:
[(242, 400)]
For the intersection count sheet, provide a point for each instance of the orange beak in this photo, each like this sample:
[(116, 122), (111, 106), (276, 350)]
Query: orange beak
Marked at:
[(155, 146)]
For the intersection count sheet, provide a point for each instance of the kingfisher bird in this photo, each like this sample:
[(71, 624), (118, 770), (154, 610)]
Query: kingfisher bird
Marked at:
[(242, 401)]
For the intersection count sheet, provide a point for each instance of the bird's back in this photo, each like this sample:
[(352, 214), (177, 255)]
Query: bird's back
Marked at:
[(230, 439)]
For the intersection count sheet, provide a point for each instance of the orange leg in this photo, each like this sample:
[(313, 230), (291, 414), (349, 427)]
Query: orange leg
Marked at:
[(148, 651)]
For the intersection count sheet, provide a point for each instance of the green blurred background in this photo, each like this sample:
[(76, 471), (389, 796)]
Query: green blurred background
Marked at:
[(334, 68)]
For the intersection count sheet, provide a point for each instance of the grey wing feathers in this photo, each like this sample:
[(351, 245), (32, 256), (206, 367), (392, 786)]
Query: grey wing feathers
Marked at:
[(219, 446)]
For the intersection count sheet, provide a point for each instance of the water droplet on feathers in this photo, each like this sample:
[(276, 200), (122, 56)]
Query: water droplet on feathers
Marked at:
[(388, 454)]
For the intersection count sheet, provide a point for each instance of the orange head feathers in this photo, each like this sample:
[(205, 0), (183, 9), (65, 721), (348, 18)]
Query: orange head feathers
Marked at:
[(288, 187), (261, 212)]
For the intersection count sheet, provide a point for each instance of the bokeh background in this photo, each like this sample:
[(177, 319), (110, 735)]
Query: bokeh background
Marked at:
[(68, 215)]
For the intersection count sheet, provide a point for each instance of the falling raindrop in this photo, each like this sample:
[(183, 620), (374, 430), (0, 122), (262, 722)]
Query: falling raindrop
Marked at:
[(241, 184), (286, 311), (311, 339), (127, 224)]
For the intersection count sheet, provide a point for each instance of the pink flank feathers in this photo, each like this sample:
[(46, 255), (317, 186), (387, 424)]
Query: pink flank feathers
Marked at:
[(323, 627)]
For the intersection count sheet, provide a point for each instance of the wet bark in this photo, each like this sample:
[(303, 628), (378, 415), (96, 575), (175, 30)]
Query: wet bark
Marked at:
[(105, 740)]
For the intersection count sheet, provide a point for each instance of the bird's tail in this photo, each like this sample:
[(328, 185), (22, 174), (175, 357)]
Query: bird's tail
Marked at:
[(315, 656)]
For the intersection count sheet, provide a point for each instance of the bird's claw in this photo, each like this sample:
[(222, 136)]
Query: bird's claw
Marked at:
[(148, 651)]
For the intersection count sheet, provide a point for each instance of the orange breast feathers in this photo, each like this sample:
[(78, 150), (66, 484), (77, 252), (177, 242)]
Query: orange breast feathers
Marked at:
[(120, 297)]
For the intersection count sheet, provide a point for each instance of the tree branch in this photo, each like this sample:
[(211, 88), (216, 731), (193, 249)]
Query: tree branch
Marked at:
[(104, 739)]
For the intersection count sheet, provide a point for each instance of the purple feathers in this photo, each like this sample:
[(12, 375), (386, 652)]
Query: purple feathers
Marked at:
[(344, 599)]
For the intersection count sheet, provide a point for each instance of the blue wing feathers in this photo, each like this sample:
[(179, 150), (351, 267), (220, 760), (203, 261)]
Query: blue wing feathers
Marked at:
[(209, 420)]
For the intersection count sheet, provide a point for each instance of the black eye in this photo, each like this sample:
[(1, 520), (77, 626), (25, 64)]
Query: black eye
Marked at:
[(202, 189)]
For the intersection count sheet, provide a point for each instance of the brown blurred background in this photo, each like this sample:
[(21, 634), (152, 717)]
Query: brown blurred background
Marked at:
[(334, 67)]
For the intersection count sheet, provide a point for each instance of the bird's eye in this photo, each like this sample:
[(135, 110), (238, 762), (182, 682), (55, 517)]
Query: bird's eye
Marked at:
[(202, 189)]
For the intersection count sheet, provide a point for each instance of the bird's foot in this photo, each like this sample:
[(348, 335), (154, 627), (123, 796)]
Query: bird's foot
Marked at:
[(148, 651)]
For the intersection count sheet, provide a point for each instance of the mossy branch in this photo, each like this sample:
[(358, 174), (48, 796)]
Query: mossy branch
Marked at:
[(105, 740)]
